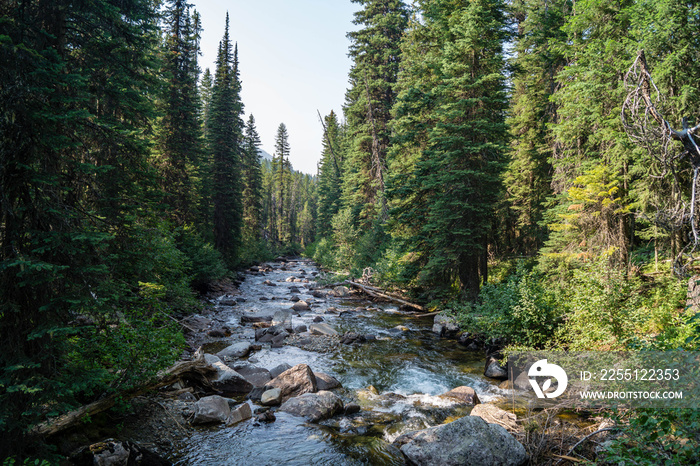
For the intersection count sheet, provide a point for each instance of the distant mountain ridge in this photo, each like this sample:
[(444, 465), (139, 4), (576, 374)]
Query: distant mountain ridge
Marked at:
[(265, 155)]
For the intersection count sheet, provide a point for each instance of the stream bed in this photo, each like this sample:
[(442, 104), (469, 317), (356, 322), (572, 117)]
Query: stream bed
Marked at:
[(395, 378)]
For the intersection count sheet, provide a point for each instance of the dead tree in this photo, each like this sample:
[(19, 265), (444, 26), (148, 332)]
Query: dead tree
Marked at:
[(646, 126)]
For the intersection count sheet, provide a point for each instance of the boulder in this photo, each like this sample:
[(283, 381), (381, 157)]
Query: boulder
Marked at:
[(240, 413), (322, 329), (226, 379), (294, 289), (318, 294), (468, 440), (211, 409), (318, 319), (445, 325), (269, 283), (236, 350), (217, 333), (352, 408), (300, 328), (258, 376), (495, 415), (301, 306), (277, 370), (295, 299), (271, 397), (494, 370), (464, 394), (314, 406), (267, 416), (296, 381), (326, 382)]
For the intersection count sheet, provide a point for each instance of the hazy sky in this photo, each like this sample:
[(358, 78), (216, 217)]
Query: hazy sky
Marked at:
[(293, 61)]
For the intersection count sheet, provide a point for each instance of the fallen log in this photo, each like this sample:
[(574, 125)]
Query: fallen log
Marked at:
[(379, 293), (196, 368)]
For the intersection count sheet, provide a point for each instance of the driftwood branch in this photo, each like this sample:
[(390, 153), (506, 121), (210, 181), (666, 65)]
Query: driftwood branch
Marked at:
[(379, 293), (197, 368)]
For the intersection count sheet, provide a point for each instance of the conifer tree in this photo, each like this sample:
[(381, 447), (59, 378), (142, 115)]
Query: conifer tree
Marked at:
[(225, 143), (375, 52), (536, 65), (179, 132), (281, 169), (253, 184), (330, 175), (455, 183)]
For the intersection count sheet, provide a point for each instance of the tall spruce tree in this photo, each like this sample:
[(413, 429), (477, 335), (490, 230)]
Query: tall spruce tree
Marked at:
[(179, 130), (375, 52), (252, 181), (330, 175), (76, 215), (536, 65), (281, 169), (226, 145), (456, 179)]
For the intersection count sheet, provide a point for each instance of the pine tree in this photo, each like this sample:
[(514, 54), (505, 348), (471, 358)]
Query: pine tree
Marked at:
[(281, 185), (225, 142), (455, 183), (253, 183), (330, 175), (179, 132), (375, 52), (536, 65)]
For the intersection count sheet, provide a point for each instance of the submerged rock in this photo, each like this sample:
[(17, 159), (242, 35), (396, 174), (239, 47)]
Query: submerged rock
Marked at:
[(314, 406), (468, 440)]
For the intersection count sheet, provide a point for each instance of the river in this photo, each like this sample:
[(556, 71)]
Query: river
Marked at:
[(396, 379)]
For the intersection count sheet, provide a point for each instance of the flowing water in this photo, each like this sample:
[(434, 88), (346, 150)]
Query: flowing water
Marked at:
[(396, 379)]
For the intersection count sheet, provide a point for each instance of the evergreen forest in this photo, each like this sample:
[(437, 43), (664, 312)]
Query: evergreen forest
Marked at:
[(528, 167)]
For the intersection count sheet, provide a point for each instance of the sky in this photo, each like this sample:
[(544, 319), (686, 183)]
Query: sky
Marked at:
[(293, 61)]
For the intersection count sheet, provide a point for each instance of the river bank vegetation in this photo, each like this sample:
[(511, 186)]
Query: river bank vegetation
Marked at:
[(499, 161)]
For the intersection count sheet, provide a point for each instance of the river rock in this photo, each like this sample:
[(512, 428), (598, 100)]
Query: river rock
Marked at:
[(300, 328), (258, 376), (326, 382), (217, 333), (271, 397), (352, 408), (352, 337), (318, 294), (236, 350), (314, 406), (494, 370), (495, 415), (269, 283), (300, 306), (267, 416), (322, 329), (295, 299), (228, 301), (445, 325), (282, 320), (468, 440), (111, 452), (238, 414), (211, 409), (293, 382), (339, 291), (294, 289), (277, 370), (289, 279), (227, 380), (255, 319), (464, 394)]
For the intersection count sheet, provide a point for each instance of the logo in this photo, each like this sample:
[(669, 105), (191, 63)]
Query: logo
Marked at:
[(543, 369)]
